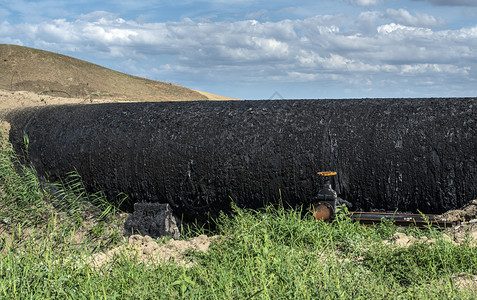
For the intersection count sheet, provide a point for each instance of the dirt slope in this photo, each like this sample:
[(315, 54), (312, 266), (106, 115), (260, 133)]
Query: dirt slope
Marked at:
[(48, 73), (215, 97)]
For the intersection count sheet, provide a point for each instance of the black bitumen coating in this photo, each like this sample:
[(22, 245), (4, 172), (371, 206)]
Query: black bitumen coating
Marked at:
[(407, 154)]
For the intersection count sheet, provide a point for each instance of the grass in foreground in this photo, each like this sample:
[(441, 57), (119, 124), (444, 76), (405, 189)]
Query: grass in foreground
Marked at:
[(270, 254)]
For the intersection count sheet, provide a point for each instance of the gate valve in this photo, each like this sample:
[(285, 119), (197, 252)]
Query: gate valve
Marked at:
[(327, 198)]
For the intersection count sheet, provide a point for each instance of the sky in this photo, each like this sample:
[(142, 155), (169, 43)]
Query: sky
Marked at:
[(258, 49)]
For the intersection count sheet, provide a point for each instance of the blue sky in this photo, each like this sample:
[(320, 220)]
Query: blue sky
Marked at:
[(252, 49)]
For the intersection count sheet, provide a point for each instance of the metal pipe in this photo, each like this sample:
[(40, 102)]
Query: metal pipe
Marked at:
[(389, 153)]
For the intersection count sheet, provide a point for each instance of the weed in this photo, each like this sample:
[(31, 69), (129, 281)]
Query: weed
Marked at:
[(98, 229), (26, 143), (64, 207)]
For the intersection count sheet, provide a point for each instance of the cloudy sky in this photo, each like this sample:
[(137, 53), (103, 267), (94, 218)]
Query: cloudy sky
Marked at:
[(252, 49)]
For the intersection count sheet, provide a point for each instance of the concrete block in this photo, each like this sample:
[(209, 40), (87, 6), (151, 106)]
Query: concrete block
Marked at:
[(154, 220)]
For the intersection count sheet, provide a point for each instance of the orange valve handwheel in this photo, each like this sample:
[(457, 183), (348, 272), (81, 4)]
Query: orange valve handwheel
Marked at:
[(327, 173)]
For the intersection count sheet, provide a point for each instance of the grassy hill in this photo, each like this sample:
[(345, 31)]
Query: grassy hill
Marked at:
[(28, 69)]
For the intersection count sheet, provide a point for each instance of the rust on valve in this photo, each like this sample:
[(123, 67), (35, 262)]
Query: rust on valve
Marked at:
[(322, 211)]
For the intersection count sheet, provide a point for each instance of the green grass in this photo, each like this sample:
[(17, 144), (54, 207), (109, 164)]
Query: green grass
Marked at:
[(274, 253)]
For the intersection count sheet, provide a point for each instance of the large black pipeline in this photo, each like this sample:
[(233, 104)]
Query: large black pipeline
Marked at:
[(407, 154)]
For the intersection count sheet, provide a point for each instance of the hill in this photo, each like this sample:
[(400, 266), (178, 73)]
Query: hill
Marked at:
[(48, 73)]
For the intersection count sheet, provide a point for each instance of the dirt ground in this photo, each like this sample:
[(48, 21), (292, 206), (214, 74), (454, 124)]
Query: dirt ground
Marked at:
[(18, 99), (466, 213), (146, 250), (462, 225)]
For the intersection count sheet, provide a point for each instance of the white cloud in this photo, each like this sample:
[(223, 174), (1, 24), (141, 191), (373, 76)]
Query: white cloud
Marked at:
[(366, 22), (451, 2), (310, 49), (402, 29), (365, 2), (434, 68), (403, 16)]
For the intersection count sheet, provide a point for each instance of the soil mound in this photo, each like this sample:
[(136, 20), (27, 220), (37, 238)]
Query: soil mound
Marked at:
[(48, 73), (464, 229), (466, 213), (146, 250)]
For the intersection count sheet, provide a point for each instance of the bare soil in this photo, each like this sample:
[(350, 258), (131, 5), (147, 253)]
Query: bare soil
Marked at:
[(465, 281), (145, 250), (462, 228), (20, 99), (466, 213)]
